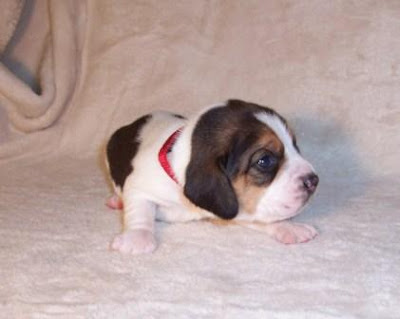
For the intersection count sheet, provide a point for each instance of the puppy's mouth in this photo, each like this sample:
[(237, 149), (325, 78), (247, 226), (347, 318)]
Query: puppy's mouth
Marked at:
[(300, 200), (303, 198), (293, 207)]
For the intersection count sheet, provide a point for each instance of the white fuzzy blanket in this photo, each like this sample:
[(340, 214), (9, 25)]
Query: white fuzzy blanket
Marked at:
[(331, 67)]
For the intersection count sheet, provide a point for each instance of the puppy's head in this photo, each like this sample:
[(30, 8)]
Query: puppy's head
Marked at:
[(245, 163)]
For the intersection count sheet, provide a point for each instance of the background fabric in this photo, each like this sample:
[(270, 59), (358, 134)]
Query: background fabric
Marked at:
[(332, 68)]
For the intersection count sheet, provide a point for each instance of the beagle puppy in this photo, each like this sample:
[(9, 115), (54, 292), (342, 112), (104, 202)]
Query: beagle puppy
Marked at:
[(236, 161)]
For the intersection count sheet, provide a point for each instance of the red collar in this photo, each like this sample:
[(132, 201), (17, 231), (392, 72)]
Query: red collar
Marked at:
[(163, 154)]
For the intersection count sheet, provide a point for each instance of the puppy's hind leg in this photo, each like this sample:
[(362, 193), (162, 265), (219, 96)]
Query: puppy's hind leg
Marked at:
[(115, 202), (138, 234)]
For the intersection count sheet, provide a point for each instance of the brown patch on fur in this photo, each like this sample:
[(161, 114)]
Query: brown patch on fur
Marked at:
[(270, 141), (247, 184), (248, 193), (221, 222)]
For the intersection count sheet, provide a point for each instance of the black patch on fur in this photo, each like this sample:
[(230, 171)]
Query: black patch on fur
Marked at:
[(211, 191), (213, 165), (122, 148)]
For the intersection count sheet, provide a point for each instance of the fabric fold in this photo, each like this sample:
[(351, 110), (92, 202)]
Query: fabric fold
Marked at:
[(49, 49)]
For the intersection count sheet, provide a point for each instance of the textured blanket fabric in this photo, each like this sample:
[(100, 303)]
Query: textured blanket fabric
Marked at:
[(43, 62), (331, 67)]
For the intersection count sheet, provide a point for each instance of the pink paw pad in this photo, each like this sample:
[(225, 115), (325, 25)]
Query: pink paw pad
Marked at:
[(291, 233), (115, 202)]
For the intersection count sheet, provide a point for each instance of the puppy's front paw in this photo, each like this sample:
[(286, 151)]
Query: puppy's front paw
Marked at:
[(293, 233), (137, 241)]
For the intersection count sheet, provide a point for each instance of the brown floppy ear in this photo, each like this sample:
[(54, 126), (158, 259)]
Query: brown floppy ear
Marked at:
[(209, 187)]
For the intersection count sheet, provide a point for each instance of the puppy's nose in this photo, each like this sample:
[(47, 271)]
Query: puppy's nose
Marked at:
[(310, 182)]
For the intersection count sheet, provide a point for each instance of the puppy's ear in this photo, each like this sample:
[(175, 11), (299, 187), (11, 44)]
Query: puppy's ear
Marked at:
[(208, 186)]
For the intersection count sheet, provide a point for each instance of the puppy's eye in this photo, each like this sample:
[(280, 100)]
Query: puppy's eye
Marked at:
[(267, 162)]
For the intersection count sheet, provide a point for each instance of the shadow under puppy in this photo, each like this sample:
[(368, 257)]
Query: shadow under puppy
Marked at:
[(235, 161)]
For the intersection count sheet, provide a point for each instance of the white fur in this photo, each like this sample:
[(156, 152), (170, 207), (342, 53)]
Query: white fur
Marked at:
[(149, 193)]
